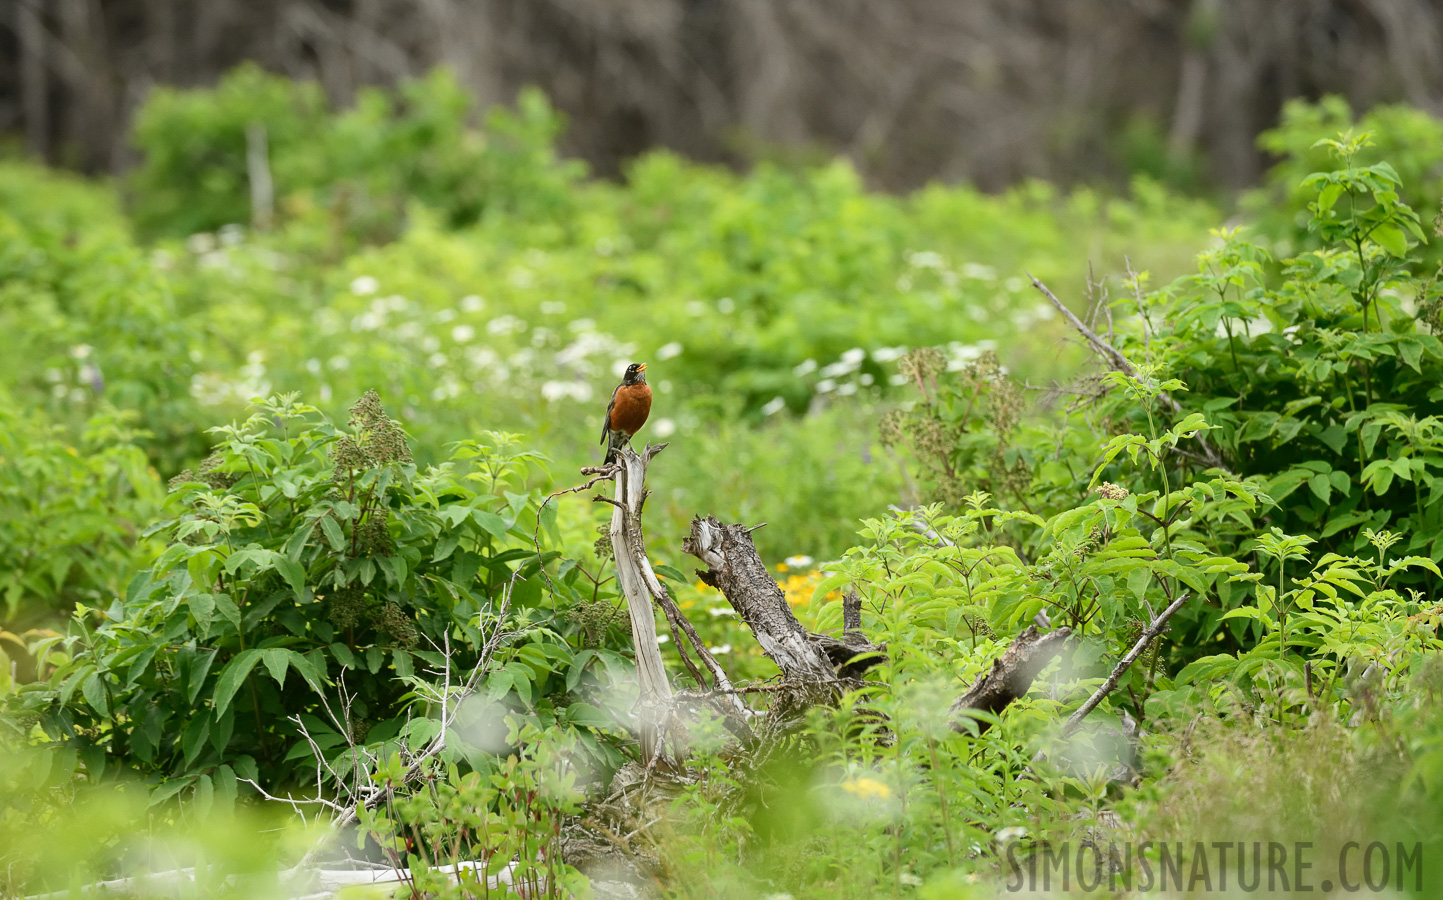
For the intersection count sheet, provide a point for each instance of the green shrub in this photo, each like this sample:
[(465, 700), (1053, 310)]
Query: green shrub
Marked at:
[(87, 322), (312, 575), (1409, 140), (353, 173), (70, 516), (193, 143)]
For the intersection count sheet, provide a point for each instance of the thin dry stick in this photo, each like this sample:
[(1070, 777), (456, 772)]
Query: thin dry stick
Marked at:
[(1152, 631), (606, 472), (1117, 361), (1114, 358), (1141, 311)]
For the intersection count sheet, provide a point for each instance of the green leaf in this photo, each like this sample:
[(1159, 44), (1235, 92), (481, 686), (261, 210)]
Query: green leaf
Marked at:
[(588, 716), (671, 574), (492, 523), (225, 789), (227, 608), (1392, 239), (221, 729), (395, 569), (1244, 612), (1137, 582), (231, 677), (193, 740), (1322, 486), (829, 584), (167, 789), (306, 668), (1335, 437), (498, 684), (199, 668), (140, 664), (445, 546), (276, 662), (202, 567), (202, 607), (334, 535), (343, 653), (420, 732), (402, 661), (1411, 349), (465, 567), (1328, 196), (294, 575), (547, 519), (93, 690), (578, 668)]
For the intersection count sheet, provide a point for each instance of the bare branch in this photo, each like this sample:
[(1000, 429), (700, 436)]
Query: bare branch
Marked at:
[(1114, 358), (1011, 675), (1107, 686), (1116, 361)]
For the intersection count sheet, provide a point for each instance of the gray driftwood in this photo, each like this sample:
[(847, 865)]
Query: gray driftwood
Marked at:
[(1010, 677), (634, 577), (641, 588), (806, 659)]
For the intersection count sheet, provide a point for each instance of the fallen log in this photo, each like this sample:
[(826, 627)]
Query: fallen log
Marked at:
[(737, 570), (1009, 678)]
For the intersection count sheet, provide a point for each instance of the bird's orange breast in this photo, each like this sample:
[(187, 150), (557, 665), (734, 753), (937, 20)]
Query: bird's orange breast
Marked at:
[(633, 405)]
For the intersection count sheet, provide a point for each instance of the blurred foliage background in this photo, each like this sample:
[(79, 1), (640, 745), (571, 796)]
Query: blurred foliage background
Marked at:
[(196, 552)]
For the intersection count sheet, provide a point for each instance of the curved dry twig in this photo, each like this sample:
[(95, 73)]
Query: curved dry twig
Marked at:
[(1153, 630)]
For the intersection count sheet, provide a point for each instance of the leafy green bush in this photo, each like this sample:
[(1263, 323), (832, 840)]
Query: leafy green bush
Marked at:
[(352, 174), (70, 516), (1408, 139), (1319, 387), (88, 322), (329, 557), (1324, 384), (508, 822)]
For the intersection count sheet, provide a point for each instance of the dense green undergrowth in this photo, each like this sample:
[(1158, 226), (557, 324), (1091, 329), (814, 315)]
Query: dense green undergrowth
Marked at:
[(298, 610), (507, 298)]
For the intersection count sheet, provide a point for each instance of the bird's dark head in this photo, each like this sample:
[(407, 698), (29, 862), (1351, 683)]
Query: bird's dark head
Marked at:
[(635, 374)]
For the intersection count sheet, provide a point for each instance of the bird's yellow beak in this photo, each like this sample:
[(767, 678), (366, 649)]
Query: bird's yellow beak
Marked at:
[(641, 367)]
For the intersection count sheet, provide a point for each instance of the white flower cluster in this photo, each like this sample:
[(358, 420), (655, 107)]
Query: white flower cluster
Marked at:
[(842, 376), (987, 299), (213, 389), (960, 355), (213, 251)]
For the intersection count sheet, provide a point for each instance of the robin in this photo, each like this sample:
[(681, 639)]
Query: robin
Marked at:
[(627, 412)]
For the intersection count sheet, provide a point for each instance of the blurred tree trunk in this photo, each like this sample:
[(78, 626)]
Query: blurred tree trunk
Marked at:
[(992, 91), (34, 78)]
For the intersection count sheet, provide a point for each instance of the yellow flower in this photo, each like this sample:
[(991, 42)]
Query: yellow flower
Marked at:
[(867, 788), (799, 588)]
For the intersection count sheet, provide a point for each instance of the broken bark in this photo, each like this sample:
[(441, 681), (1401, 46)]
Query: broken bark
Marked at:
[(1010, 677), (628, 550), (738, 571), (641, 588)]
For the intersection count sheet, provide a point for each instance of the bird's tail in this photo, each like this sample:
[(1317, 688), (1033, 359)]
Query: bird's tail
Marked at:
[(615, 440)]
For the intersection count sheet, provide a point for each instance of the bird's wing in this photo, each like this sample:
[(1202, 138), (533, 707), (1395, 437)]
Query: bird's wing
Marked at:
[(606, 422)]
